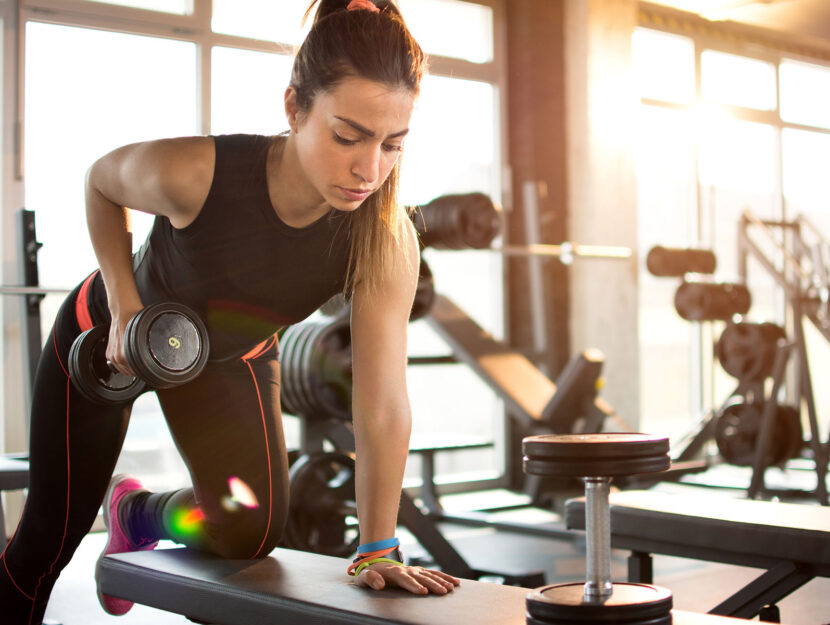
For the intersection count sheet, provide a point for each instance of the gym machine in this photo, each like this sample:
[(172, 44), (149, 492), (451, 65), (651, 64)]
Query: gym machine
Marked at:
[(752, 427)]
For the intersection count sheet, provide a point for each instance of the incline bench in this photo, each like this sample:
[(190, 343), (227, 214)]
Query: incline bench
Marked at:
[(791, 541), (299, 588)]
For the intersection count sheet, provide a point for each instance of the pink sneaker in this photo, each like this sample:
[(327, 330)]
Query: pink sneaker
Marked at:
[(118, 541)]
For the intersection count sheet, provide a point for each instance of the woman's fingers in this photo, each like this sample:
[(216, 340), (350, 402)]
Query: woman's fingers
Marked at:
[(415, 579)]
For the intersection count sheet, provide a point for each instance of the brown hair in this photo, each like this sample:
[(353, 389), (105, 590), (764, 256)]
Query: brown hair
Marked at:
[(376, 46)]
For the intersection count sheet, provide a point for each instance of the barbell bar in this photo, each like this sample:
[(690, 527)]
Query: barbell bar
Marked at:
[(32, 290), (565, 251)]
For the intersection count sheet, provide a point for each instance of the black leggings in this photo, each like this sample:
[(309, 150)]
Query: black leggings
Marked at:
[(226, 423)]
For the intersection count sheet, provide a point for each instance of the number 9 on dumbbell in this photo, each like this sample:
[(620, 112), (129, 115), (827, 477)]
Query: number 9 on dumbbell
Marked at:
[(165, 344)]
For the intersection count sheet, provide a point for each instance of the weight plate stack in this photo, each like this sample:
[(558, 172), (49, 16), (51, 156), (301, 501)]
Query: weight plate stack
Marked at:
[(91, 374), (595, 455), (316, 369), (321, 513), (166, 344)]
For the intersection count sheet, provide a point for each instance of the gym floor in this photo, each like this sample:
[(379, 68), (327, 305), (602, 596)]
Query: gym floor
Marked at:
[(696, 586)]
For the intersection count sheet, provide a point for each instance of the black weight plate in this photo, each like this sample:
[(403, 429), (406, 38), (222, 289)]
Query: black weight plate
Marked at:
[(287, 395), (299, 369), (330, 371), (600, 467), (174, 342), (91, 375), (322, 489), (660, 620), (617, 445), (424, 293), (154, 363), (628, 603)]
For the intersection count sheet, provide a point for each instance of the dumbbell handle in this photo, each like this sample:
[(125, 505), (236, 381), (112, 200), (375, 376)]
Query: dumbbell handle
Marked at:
[(598, 538)]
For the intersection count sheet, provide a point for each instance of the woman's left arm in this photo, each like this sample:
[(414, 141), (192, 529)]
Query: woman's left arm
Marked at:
[(382, 416)]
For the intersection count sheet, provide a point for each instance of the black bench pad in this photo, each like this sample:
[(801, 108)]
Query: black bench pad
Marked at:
[(743, 532), (14, 473), (294, 587)]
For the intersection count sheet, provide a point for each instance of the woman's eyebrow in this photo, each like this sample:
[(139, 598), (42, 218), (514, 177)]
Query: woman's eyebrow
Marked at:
[(366, 131)]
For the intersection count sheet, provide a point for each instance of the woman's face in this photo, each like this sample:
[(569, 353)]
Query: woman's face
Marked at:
[(351, 138)]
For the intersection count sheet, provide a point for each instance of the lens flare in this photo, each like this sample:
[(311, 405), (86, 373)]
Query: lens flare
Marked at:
[(241, 493), (187, 522)]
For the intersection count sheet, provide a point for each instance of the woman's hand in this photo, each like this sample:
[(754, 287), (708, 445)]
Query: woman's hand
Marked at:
[(115, 342), (415, 579)]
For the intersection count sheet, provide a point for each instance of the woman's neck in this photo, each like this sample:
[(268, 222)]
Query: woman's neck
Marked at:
[(295, 200)]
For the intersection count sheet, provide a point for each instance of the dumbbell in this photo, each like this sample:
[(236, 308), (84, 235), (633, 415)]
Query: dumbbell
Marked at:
[(166, 344), (597, 458)]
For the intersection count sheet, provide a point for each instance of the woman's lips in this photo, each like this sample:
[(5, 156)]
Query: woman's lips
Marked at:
[(355, 195)]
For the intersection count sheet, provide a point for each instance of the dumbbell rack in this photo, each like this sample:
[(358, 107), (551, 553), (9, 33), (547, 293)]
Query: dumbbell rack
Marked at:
[(796, 256)]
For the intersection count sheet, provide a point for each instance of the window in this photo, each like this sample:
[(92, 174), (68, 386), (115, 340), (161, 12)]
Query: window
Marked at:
[(664, 66), (250, 100), (755, 89), (179, 7), (262, 19), (805, 94)]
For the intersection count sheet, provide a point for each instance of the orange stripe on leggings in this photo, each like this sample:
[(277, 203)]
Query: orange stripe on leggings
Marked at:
[(259, 349), (267, 457), (82, 306)]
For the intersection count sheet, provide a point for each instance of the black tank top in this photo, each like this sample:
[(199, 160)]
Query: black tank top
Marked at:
[(238, 265)]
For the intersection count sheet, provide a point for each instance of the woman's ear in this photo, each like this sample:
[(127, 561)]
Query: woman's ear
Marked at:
[(291, 111)]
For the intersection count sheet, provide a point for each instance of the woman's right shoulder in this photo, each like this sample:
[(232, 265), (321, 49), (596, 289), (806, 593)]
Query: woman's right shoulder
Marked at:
[(171, 177)]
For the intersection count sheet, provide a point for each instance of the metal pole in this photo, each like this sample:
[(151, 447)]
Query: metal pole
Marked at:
[(598, 530)]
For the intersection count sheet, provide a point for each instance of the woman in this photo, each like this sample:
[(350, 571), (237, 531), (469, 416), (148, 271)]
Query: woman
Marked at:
[(254, 233)]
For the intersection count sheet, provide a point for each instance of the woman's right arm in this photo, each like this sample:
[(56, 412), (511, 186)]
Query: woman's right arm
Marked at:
[(169, 177)]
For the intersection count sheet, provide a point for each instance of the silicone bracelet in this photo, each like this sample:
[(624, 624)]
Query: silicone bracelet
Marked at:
[(377, 545), (363, 565)]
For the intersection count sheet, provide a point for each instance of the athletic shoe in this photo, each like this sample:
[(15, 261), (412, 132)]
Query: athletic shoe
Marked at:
[(118, 541)]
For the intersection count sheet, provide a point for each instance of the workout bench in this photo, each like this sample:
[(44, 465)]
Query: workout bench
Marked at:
[(791, 541), (14, 475), (300, 588)]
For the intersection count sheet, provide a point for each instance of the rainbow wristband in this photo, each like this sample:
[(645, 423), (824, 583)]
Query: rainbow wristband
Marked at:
[(372, 557)]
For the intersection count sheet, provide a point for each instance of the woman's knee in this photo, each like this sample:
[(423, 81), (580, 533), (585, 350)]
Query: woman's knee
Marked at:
[(249, 533)]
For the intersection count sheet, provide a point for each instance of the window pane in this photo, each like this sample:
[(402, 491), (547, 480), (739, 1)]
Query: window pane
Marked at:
[(667, 215), (664, 65), (755, 89), (736, 154), (453, 148), (805, 94), (247, 90), (179, 7), (80, 104), (461, 30), (806, 185), (262, 19)]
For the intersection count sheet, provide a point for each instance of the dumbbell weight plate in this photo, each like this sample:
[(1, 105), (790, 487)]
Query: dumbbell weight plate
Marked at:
[(595, 455), (93, 377), (166, 344), (629, 604)]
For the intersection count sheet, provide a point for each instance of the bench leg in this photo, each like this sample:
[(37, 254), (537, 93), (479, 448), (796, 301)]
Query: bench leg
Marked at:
[(769, 588), (640, 568)]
